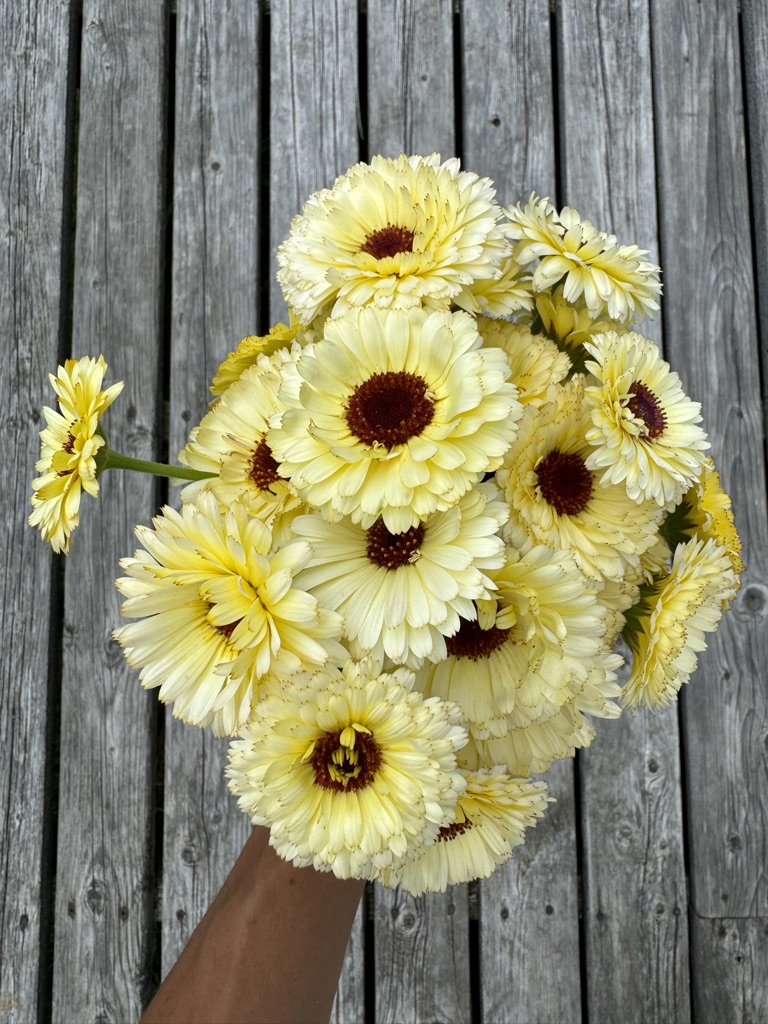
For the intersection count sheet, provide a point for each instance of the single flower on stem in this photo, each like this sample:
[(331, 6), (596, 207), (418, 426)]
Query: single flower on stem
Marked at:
[(490, 820), (70, 443), (613, 279), (665, 630), (75, 452)]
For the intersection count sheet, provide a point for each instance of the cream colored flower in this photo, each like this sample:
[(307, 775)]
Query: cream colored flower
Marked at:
[(710, 516), (653, 562), (557, 500), (617, 595), (399, 414), (613, 278), (531, 749), (570, 324), (70, 442), (231, 441), (536, 362), (250, 351), (401, 594), (352, 774), (398, 232), (219, 613), (598, 690), (498, 296), (524, 656), (645, 430), (666, 631), (490, 820)]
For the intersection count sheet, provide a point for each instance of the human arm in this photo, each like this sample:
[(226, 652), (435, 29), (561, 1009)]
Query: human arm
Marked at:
[(269, 949)]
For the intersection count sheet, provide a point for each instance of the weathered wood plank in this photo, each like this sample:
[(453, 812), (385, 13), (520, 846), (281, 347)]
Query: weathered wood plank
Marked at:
[(754, 15), (349, 1004), (635, 905), (508, 123), (34, 203), (104, 898), (314, 109), (710, 331), (410, 77), (733, 986), (214, 305), (634, 870), (529, 927), (529, 921), (421, 945), (422, 963)]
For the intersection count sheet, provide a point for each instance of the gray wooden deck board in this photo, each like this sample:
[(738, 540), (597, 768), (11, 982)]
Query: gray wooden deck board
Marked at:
[(410, 77), (529, 922), (653, 144), (754, 21), (735, 952), (34, 48), (104, 865)]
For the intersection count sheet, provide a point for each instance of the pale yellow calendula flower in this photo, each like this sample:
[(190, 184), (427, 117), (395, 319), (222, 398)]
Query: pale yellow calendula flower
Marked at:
[(70, 442)]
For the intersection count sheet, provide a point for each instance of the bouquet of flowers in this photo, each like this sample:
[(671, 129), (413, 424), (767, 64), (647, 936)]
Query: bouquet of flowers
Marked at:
[(417, 521)]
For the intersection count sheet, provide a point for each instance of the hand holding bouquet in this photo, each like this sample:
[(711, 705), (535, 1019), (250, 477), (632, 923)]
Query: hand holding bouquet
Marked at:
[(417, 521)]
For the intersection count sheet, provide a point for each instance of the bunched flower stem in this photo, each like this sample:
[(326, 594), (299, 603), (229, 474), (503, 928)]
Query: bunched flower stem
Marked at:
[(107, 458)]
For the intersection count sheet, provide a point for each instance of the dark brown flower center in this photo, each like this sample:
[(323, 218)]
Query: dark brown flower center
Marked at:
[(389, 408), (565, 482), (69, 448), (346, 760), (227, 629), (388, 241), (645, 405), (452, 831), (475, 643), (262, 468), (393, 549)]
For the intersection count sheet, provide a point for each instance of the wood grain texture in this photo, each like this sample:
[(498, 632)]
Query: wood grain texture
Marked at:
[(529, 921), (410, 77), (508, 113), (422, 964), (710, 332), (314, 110), (214, 304), (754, 17), (34, 49), (733, 986), (104, 895), (634, 870), (635, 906), (349, 1004)]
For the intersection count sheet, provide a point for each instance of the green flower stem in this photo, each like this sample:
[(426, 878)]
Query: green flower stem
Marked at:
[(107, 458)]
